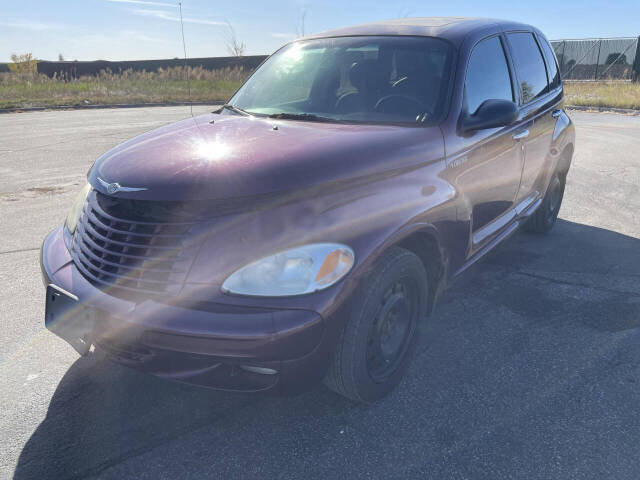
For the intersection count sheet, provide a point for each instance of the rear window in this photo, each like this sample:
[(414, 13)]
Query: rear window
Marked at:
[(532, 74)]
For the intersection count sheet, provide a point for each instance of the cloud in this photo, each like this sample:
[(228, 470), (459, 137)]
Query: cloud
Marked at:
[(283, 35), (144, 2), (124, 37), (31, 25), (165, 15), (118, 45)]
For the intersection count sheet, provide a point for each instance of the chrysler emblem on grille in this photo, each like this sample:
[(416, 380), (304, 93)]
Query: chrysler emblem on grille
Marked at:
[(115, 187)]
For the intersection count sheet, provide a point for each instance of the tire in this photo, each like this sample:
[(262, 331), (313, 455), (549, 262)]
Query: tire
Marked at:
[(545, 217), (379, 339)]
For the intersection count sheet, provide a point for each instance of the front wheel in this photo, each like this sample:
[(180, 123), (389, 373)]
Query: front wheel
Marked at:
[(378, 341), (545, 217)]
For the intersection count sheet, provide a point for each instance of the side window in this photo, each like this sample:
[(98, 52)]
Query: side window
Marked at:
[(552, 64), (487, 75), (531, 70)]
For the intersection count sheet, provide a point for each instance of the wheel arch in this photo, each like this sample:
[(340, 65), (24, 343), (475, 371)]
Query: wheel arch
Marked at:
[(564, 162), (426, 245), (424, 241), (563, 141)]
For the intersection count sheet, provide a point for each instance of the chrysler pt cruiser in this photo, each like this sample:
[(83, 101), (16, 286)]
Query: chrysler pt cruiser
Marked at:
[(303, 231)]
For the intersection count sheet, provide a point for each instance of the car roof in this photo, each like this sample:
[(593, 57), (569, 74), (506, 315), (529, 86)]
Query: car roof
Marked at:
[(453, 29)]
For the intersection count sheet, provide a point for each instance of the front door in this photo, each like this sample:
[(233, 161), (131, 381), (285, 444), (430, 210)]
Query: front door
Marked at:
[(487, 170)]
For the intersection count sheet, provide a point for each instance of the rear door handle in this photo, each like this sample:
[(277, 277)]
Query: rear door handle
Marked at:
[(521, 134), (556, 113)]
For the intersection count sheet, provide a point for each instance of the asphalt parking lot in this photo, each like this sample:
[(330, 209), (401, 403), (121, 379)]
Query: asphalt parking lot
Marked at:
[(529, 368)]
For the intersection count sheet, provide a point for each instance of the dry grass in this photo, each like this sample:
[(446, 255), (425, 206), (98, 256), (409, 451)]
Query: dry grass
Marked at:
[(603, 94), (25, 89), (21, 90)]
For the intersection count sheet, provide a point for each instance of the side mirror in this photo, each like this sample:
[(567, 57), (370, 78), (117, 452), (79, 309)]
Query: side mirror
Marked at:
[(491, 114)]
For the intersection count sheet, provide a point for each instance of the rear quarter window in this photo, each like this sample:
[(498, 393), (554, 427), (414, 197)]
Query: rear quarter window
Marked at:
[(552, 65), (532, 74)]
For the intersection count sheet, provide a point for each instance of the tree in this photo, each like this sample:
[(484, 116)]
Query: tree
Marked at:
[(235, 47), (527, 92), (24, 63), (60, 57)]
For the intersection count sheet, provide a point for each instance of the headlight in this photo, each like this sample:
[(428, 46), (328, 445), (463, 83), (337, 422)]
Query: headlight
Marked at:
[(293, 272), (76, 209)]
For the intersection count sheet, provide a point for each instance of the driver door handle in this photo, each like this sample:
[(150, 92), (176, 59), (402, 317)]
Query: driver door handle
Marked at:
[(556, 113), (521, 134)]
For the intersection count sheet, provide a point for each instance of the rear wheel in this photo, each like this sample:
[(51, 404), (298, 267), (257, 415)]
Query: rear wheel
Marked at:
[(378, 341), (545, 217)]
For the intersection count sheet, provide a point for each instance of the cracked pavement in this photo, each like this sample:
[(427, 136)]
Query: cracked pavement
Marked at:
[(529, 368)]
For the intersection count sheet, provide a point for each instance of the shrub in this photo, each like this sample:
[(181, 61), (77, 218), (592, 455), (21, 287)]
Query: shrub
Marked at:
[(24, 64)]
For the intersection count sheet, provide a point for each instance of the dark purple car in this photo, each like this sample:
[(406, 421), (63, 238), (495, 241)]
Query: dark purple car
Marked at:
[(304, 230)]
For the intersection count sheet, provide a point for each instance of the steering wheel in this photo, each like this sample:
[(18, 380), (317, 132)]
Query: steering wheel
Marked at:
[(387, 103), (343, 101), (400, 82)]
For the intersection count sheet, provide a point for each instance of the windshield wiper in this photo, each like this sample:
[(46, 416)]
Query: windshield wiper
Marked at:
[(301, 116), (235, 109)]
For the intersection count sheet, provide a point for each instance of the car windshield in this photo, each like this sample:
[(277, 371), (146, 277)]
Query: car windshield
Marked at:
[(392, 79)]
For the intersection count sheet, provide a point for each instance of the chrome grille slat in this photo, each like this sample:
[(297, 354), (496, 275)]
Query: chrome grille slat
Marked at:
[(88, 253), (128, 255), (92, 216), (94, 245), (124, 243)]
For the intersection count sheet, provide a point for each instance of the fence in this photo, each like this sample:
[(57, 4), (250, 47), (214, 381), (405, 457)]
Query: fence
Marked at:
[(586, 59), (598, 58)]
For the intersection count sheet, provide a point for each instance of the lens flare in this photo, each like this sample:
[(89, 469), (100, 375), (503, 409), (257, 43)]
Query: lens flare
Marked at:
[(294, 52), (211, 150)]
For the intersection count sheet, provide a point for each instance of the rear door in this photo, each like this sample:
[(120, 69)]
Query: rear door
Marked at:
[(538, 100)]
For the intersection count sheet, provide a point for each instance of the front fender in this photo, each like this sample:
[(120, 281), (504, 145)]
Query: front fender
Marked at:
[(428, 242), (369, 219)]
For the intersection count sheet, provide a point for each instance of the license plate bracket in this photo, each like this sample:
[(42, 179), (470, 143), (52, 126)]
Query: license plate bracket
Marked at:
[(69, 319)]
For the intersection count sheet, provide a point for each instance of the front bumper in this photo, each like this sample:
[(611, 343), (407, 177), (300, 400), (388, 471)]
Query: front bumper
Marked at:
[(228, 347)]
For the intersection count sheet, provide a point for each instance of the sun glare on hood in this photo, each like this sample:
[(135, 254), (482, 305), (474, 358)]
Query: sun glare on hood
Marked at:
[(211, 150)]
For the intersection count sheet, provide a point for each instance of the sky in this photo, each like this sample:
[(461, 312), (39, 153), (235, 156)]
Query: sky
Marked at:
[(147, 29)]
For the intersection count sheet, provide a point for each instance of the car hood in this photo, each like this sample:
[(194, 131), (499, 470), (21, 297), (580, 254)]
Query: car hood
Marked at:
[(221, 156)]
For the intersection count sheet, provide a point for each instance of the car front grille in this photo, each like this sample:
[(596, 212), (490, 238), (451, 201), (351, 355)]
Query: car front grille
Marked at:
[(135, 246)]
